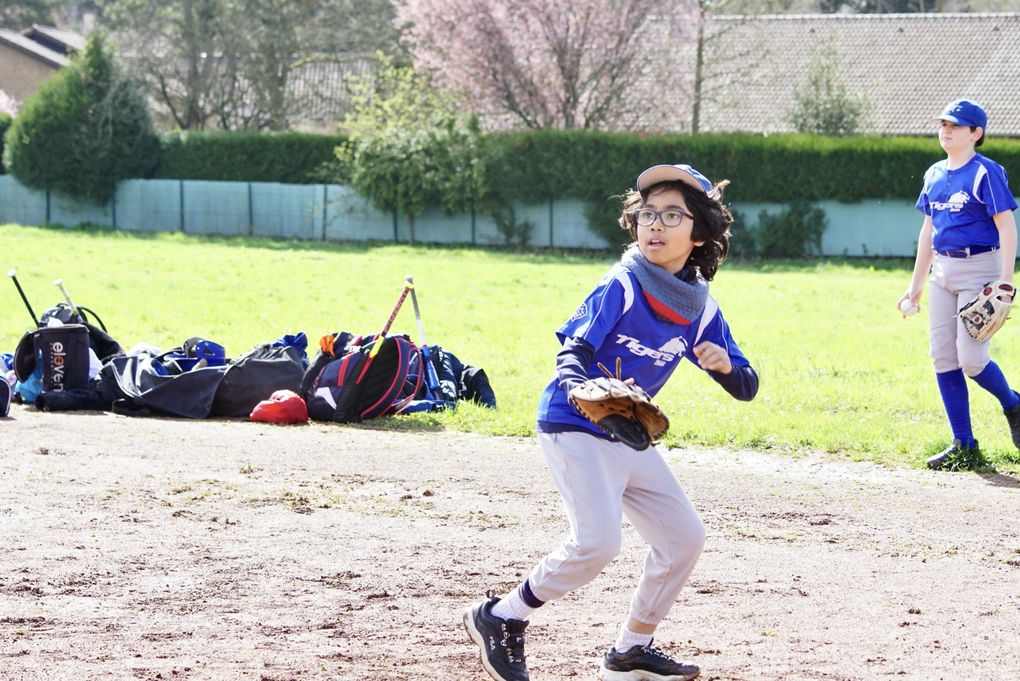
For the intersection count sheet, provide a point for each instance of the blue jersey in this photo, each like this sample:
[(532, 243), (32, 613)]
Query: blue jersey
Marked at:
[(961, 203), (618, 322)]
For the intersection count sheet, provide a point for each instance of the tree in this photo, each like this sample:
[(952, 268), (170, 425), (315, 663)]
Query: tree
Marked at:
[(17, 14), (722, 64), (8, 104), (410, 146), (822, 104), (549, 63), (229, 63), (84, 130)]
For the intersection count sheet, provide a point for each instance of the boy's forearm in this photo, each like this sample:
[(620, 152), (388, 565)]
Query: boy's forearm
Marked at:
[(1006, 225), (572, 362), (922, 263)]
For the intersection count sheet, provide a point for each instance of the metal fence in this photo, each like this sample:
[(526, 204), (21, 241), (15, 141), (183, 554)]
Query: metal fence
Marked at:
[(327, 212)]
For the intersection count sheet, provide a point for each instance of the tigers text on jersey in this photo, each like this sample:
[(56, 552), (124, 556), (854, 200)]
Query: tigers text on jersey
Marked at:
[(961, 203), (617, 320)]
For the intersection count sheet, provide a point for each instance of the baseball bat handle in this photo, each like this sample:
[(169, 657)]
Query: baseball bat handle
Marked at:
[(13, 275), (389, 322), (396, 309)]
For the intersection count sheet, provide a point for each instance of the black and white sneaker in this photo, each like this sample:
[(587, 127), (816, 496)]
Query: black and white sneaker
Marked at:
[(500, 642), (956, 457), (1013, 419), (645, 663)]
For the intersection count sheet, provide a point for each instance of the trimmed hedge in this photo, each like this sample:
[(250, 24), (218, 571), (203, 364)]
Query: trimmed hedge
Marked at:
[(292, 157), (5, 122), (774, 168), (596, 166)]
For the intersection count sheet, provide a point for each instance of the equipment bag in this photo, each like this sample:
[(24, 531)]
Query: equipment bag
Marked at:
[(63, 353), (255, 376), (102, 343), (357, 386)]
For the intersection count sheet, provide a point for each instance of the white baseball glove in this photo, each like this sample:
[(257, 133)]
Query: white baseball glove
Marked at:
[(986, 314)]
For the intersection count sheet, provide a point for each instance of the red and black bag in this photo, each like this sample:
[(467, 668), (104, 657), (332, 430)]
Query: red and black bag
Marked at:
[(347, 383)]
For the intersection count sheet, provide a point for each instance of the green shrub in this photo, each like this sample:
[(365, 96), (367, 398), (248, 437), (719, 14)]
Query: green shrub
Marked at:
[(5, 123), (290, 157), (795, 232), (742, 241), (83, 131), (411, 146), (514, 232)]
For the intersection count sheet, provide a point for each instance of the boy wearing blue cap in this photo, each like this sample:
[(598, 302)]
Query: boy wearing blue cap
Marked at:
[(651, 310), (967, 239)]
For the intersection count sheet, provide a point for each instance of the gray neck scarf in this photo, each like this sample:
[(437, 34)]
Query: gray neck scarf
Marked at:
[(670, 296)]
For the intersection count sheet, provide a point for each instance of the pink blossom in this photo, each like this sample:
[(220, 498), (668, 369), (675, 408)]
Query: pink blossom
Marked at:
[(549, 63), (8, 104)]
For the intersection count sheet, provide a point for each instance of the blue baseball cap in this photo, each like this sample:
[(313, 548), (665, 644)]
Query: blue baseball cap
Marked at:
[(965, 112), (671, 173)]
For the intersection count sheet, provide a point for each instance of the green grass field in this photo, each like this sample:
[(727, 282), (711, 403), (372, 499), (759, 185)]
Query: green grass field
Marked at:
[(840, 370)]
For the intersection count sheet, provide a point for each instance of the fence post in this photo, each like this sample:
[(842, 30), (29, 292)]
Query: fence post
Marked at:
[(181, 204), (113, 209), (395, 226), (550, 222), (251, 213), (325, 205), (47, 206)]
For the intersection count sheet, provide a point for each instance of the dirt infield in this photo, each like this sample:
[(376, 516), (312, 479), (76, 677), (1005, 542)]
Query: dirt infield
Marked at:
[(170, 549)]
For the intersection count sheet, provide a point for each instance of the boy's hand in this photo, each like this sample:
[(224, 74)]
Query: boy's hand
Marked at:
[(712, 357), (622, 410), (909, 303)]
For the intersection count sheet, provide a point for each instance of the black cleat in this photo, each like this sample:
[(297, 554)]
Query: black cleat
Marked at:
[(501, 642), (1013, 419), (956, 457), (645, 663)]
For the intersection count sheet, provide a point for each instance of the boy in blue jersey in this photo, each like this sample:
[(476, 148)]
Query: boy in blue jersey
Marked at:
[(968, 238), (650, 311)]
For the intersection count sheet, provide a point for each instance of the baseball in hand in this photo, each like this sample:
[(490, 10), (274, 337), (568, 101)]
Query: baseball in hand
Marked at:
[(909, 307)]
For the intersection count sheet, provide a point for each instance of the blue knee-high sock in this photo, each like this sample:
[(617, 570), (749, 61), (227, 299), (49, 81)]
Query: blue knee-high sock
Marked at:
[(992, 380), (953, 387)]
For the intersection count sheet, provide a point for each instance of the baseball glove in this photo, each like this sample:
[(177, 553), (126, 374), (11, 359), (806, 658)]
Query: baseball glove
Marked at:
[(986, 314), (624, 411)]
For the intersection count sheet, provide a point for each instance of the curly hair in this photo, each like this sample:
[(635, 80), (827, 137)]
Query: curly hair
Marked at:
[(711, 222)]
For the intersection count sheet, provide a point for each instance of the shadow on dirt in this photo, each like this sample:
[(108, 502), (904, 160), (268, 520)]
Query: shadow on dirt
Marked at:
[(1001, 480)]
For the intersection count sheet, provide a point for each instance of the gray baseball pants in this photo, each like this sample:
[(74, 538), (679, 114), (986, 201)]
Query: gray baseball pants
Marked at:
[(954, 283), (599, 481)]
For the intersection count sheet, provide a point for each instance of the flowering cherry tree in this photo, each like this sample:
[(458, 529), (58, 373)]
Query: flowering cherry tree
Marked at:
[(552, 63), (8, 105)]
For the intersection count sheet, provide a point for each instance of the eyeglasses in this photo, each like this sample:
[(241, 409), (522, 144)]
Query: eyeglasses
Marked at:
[(670, 217)]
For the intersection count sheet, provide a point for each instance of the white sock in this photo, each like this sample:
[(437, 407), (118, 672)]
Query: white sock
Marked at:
[(628, 639), (512, 607)]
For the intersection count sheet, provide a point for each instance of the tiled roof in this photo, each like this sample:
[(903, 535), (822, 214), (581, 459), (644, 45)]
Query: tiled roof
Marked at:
[(65, 42), (908, 65), (32, 48)]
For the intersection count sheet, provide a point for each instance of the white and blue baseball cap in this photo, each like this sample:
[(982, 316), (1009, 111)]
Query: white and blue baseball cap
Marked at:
[(672, 173), (965, 112)]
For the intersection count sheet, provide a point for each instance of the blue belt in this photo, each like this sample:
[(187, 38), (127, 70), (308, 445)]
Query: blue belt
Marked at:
[(967, 252)]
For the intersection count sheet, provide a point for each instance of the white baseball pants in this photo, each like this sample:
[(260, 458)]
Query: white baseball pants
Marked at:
[(599, 481), (954, 283)]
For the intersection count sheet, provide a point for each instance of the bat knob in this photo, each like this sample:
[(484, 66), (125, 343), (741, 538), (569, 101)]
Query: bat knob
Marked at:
[(58, 282), (409, 279), (11, 273)]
